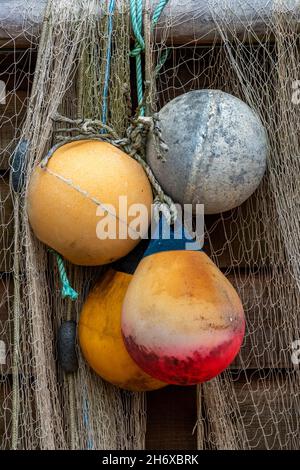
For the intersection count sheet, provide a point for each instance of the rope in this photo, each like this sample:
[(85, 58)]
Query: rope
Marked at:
[(108, 60), (66, 289), (158, 11), (136, 14), (133, 144)]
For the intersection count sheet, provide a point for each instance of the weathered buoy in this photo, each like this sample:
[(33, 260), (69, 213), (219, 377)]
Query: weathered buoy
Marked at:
[(100, 335), (80, 188), (217, 150), (182, 320), (66, 346)]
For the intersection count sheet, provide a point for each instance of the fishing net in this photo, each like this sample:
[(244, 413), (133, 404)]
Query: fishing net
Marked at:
[(44, 408), (254, 54), (248, 49)]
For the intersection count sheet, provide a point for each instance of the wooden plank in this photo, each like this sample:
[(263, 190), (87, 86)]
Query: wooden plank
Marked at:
[(194, 21), (236, 238), (181, 22), (265, 344), (172, 415), (267, 425), (254, 410)]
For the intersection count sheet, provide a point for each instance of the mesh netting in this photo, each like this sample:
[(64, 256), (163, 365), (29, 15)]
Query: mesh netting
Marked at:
[(254, 55), (249, 49), (44, 408)]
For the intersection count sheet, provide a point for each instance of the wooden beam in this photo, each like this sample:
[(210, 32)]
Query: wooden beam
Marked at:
[(194, 21), (180, 23)]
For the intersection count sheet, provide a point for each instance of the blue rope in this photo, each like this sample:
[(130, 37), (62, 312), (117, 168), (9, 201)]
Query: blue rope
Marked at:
[(108, 61), (86, 421)]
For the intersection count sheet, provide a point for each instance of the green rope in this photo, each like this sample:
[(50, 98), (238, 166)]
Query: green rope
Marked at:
[(136, 14), (66, 289), (158, 11), (162, 60)]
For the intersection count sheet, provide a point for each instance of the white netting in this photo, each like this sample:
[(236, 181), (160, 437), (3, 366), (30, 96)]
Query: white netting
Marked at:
[(255, 56), (249, 49), (43, 408)]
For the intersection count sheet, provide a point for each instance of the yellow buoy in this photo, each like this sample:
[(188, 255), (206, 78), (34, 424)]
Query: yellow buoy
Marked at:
[(80, 186), (101, 339)]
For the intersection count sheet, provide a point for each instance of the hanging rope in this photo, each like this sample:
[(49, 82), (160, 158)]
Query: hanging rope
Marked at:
[(158, 11), (108, 60), (136, 14), (66, 290)]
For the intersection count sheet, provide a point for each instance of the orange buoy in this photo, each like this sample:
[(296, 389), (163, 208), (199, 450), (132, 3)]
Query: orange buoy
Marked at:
[(182, 320), (100, 335), (80, 186)]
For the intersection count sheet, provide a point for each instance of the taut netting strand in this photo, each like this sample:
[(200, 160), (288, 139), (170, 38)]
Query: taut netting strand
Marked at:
[(250, 51)]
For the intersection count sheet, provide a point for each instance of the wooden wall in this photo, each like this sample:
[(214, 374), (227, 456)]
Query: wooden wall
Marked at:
[(172, 412)]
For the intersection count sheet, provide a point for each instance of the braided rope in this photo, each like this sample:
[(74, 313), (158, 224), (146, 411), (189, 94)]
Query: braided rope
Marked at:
[(66, 290), (136, 15), (133, 144)]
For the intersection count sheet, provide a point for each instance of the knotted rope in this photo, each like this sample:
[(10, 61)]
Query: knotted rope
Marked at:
[(133, 144), (136, 14)]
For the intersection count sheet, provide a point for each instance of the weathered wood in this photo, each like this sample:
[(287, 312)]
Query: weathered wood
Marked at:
[(181, 22), (266, 425), (229, 238), (265, 345), (172, 415), (258, 405)]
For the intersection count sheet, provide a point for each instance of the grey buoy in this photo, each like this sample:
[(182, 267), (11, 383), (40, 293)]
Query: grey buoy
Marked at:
[(66, 346), (217, 150)]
